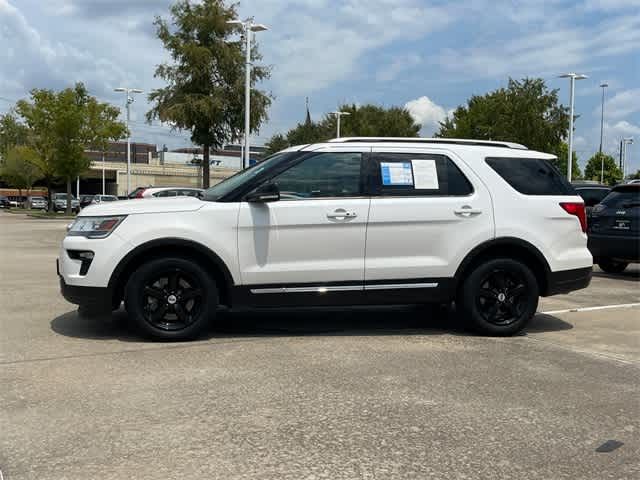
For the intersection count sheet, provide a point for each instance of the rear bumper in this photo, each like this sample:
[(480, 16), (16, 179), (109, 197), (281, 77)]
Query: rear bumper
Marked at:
[(566, 281), (94, 298), (614, 246)]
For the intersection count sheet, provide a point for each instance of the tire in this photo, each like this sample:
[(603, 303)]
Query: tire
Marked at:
[(499, 297), (612, 266), (171, 299)]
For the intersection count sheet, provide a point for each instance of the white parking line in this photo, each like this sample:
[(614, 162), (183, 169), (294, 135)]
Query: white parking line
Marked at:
[(590, 309)]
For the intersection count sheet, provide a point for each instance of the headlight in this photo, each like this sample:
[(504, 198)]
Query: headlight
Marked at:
[(95, 227)]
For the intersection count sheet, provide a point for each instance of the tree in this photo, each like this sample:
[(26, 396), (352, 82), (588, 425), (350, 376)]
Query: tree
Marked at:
[(612, 174), (205, 91), (63, 124), (12, 133), (562, 151), (526, 112), (363, 121), (19, 168)]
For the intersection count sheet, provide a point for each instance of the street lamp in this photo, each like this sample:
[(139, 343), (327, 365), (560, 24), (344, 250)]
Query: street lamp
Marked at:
[(338, 114), (129, 101), (248, 27), (573, 77), (625, 142), (603, 86)]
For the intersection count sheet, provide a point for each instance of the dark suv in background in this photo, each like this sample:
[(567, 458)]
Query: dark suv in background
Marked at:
[(614, 229), (592, 193)]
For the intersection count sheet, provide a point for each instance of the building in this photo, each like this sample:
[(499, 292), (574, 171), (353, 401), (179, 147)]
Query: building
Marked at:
[(153, 167)]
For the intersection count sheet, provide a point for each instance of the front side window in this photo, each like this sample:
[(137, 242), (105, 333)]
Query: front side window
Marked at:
[(417, 175), (531, 176), (325, 175)]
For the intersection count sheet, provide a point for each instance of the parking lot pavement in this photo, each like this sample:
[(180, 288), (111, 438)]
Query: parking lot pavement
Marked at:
[(352, 393)]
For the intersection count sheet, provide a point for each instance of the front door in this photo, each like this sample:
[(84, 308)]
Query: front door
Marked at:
[(312, 240)]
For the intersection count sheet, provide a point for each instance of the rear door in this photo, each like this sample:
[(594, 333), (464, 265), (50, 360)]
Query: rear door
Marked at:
[(428, 209)]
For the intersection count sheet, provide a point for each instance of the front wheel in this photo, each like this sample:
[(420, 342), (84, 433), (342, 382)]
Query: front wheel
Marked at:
[(171, 298), (612, 266), (499, 297)]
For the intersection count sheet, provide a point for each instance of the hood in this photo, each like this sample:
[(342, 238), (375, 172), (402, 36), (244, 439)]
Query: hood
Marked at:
[(146, 205)]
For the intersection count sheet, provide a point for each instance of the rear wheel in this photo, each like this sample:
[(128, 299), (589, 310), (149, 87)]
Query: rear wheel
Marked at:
[(171, 298), (499, 297), (612, 266)]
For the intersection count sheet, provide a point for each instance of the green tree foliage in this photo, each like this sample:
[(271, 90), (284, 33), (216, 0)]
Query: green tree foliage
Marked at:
[(525, 112), (363, 121), (562, 151), (205, 80), (19, 168), (62, 125), (612, 174), (12, 133)]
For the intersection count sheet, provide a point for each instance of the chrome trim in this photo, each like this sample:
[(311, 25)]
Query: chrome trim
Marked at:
[(342, 288), (394, 286)]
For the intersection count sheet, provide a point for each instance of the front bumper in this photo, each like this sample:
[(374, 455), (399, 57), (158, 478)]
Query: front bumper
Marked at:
[(565, 281), (94, 298), (614, 246)]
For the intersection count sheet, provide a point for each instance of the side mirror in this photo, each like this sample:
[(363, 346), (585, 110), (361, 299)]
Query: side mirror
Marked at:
[(266, 193)]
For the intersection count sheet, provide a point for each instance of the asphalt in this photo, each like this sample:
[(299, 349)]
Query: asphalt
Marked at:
[(385, 393)]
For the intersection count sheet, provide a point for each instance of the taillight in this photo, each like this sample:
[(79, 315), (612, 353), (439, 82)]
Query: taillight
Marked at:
[(577, 209)]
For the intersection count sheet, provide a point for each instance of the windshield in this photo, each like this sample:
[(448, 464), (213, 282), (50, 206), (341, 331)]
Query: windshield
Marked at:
[(221, 189), (63, 196)]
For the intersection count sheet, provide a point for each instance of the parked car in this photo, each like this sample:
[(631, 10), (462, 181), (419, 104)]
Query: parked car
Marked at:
[(16, 201), (636, 180), (59, 203), (591, 193), (86, 200), (4, 202), (35, 203), (614, 231), (489, 225), (103, 198), (148, 192)]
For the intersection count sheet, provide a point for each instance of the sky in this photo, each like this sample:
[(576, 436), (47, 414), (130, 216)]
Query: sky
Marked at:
[(427, 55)]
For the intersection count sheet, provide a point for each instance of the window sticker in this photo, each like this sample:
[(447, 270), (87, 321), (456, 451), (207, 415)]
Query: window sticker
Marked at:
[(396, 173), (426, 174)]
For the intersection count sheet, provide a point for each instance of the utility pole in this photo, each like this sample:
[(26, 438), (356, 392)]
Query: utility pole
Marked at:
[(128, 102), (338, 114), (603, 85), (248, 27), (572, 77)]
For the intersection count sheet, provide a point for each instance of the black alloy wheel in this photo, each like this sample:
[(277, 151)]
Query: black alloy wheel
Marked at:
[(171, 298), (499, 297)]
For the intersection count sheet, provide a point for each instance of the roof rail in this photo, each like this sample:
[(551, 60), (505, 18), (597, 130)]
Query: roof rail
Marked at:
[(446, 141)]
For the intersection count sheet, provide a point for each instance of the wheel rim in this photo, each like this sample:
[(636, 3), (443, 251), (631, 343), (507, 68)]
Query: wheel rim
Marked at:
[(172, 300), (502, 298)]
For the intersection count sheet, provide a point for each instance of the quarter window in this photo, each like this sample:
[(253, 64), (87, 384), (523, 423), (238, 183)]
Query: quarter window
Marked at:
[(324, 175), (531, 176), (411, 174)]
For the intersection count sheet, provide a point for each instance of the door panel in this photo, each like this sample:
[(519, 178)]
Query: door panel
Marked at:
[(316, 233), (422, 234)]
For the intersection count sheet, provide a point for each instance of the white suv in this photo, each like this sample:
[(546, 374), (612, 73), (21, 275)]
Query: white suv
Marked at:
[(489, 225)]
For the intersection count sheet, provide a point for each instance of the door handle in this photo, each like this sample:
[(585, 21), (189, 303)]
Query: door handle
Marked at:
[(341, 214), (466, 211)]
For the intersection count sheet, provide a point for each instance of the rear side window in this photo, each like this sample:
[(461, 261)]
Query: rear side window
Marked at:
[(416, 175), (592, 196), (623, 198), (531, 176)]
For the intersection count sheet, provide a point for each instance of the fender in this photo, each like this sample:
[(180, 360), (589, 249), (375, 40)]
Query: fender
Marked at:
[(131, 258)]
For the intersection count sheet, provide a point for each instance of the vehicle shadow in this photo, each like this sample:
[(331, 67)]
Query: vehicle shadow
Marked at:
[(344, 321), (632, 275)]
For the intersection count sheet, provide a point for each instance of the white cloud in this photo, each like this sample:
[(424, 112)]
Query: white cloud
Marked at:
[(398, 66), (427, 113), (622, 104), (609, 5)]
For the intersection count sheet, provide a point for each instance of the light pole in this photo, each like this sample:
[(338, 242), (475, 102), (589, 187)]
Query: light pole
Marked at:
[(573, 77), (625, 142), (129, 101), (603, 85), (338, 114), (249, 26)]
